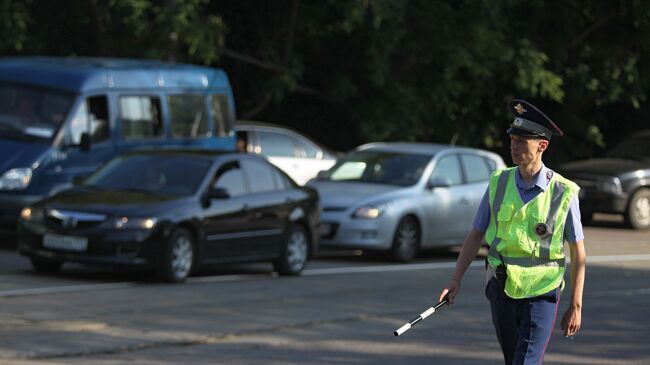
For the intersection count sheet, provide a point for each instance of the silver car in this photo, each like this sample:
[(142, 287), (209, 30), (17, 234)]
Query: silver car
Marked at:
[(403, 197), (294, 153)]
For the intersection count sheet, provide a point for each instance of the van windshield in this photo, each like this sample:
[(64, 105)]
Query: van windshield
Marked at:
[(32, 113)]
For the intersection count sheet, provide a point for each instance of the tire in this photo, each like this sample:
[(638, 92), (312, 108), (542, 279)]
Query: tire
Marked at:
[(406, 242), (46, 266), (177, 261), (637, 214), (295, 252)]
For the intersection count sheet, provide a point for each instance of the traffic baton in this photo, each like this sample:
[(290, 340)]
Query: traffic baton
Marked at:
[(422, 316)]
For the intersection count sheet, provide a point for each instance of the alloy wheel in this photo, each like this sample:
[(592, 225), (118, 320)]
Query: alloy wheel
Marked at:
[(641, 211), (181, 256), (297, 250)]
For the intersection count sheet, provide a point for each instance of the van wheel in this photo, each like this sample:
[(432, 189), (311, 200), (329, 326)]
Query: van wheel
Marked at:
[(637, 215), (406, 243), (295, 251), (178, 257), (46, 266)]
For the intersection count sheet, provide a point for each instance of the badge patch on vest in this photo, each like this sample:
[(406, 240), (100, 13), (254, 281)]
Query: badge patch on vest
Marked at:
[(542, 230)]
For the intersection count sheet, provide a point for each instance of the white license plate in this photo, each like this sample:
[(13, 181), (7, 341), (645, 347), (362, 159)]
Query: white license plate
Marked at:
[(68, 243)]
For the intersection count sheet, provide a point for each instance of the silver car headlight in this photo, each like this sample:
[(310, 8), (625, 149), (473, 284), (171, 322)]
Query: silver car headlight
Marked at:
[(32, 214), (371, 211), (610, 185), (133, 223), (16, 179)]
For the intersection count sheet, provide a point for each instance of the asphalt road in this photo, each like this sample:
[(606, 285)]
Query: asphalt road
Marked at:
[(343, 310)]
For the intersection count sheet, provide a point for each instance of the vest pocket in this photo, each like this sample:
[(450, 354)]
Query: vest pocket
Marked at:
[(504, 218)]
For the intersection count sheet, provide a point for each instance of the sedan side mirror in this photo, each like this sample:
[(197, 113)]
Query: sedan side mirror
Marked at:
[(84, 141), (438, 182), (77, 180), (218, 193)]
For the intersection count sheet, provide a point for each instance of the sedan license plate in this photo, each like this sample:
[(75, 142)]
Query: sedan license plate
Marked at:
[(68, 243)]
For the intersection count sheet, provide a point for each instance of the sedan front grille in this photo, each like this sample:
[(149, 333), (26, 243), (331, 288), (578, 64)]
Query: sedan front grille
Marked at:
[(334, 209)]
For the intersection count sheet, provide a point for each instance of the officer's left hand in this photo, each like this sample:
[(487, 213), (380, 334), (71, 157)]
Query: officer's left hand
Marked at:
[(571, 321)]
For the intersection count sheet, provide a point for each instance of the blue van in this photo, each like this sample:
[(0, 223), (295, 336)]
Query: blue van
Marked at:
[(61, 118)]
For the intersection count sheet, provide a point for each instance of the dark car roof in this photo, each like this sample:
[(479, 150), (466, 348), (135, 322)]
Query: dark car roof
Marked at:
[(86, 74), (194, 152)]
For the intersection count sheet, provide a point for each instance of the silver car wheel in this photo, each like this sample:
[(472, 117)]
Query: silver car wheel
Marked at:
[(297, 250), (407, 240), (642, 211), (181, 256), (638, 212)]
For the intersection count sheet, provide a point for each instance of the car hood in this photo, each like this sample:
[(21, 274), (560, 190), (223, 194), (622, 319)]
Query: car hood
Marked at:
[(112, 202), (19, 154), (347, 194), (603, 166)]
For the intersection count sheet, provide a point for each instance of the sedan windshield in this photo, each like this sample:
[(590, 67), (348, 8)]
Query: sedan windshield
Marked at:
[(161, 174), (632, 148), (381, 167), (28, 112)]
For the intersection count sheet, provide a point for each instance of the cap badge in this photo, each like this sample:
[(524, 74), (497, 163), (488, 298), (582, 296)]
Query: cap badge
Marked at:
[(518, 122), (520, 109)]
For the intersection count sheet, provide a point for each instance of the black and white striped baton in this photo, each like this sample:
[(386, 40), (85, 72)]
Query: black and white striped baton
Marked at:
[(422, 316)]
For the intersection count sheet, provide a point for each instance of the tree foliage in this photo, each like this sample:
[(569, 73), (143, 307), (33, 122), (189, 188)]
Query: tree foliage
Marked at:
[(349, 72)]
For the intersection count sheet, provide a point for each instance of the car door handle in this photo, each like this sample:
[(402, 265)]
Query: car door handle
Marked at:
[(464, 201)]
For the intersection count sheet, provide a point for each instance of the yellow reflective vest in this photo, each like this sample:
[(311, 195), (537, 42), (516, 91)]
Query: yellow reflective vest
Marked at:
[(528, 238)]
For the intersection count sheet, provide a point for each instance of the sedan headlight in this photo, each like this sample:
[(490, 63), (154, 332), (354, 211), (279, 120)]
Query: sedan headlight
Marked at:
[(16, 179), (371, 211), (134, 223), (610, 185), (32, 214)]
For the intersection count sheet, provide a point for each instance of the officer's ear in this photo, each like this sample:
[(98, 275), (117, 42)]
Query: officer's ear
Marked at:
[(542, 146)]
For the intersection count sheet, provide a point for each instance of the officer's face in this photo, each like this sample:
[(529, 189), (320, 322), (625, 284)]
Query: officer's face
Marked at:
[(525, 150)]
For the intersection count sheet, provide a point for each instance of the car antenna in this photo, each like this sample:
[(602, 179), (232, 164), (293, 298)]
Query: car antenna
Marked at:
[(454, 138)]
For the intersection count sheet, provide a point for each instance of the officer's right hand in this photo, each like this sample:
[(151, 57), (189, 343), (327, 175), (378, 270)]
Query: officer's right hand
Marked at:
[(451, 290)]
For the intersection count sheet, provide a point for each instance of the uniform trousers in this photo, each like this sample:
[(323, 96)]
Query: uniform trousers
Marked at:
[(523, 326)]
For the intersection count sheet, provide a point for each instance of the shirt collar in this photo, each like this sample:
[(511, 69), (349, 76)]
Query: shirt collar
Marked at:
[(541, 179)]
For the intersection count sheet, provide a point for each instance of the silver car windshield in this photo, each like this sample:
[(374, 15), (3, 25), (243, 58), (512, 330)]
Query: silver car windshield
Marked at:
[(32, 113), (380, 167)]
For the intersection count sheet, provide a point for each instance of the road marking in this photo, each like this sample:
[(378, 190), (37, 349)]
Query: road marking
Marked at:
[(64, 289), (386, 268), (315, 272), (619, 258), (619, 293)]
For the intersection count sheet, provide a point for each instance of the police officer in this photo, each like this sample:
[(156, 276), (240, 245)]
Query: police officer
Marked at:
[(526, 215)]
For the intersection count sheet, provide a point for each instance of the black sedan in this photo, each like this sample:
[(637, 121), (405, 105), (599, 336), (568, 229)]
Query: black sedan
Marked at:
[(618, 183), (173, 211)]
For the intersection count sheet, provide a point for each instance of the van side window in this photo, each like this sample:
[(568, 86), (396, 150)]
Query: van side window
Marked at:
[(223, 122), (189, 117), (91, 117), (141, 117)]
